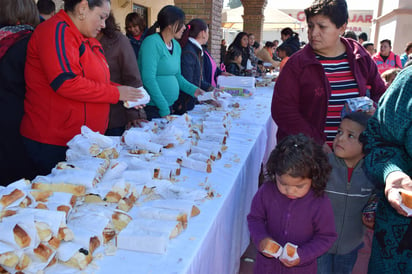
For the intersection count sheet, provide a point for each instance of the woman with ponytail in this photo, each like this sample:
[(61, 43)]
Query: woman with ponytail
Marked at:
[(193, 38), (159, 63)]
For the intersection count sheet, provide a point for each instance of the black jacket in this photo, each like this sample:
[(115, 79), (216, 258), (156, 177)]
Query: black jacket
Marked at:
[(192, 70), (14, 163)]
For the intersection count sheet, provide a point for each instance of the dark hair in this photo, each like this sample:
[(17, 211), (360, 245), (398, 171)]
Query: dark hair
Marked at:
[(408, 47), (359, 117), (136, 20), (362, 119), (24, 12), (292, 40), (367, 44), (46, 6), (69, 5), (238, 40), (350, 34), (256, 45), (168, 15), (287, 48), (288, 32), (336, 10), (111, 26), (269, 44), (363, 36), (387, 41), (231, 54), (193, 28), (300, 156)]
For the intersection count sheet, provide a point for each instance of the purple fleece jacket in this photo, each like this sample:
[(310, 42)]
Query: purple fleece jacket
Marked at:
[(302, 91), (307, 222)]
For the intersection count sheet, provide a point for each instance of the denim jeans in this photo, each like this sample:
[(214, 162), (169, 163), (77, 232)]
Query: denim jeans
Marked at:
[(338, 263)]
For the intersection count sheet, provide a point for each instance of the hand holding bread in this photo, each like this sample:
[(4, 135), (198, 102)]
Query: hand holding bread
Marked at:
[(270, 248), (398, 182), (127, 93)]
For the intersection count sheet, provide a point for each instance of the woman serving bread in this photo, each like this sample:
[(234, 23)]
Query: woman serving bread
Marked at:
[(67, 82)]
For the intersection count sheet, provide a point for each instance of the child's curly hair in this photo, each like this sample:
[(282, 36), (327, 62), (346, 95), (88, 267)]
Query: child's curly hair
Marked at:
[(300, 156)]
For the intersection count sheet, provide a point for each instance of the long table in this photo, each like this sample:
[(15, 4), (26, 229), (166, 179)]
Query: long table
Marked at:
[(215, 240)]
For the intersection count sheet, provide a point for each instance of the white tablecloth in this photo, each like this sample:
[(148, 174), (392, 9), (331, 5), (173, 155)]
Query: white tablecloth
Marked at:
[(215, 240)]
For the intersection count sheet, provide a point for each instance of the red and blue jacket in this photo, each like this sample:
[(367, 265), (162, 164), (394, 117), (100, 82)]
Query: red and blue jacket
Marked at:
[(67, 83), (393, 61)]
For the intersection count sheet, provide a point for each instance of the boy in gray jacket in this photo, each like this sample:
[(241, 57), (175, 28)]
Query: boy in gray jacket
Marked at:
[(348, 189)]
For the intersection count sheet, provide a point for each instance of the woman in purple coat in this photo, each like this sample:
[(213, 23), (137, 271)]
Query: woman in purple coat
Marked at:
[(317, 80), (291, 207)]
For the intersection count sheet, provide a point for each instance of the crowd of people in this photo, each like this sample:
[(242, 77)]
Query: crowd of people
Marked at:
[(61, 70), (257, 58)]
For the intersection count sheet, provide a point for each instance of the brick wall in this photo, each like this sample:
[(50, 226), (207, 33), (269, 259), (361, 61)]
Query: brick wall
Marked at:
[(211, 12), (253, 17)]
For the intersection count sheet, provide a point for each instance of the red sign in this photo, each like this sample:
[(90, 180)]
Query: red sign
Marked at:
[(354, 18)]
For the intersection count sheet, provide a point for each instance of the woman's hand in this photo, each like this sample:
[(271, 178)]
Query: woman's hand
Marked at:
[(225, 73), (395, 182), (136, 123), (199, 91), (129, 93), (369, 223), (213, 103)]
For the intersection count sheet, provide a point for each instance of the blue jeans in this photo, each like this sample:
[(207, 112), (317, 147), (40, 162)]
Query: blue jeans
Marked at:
[(338, 264)]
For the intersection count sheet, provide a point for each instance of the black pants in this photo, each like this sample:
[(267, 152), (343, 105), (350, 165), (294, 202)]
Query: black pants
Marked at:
[(44, 156), (152, 112)]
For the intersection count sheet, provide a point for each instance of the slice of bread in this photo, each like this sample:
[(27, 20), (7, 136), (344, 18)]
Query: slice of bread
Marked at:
[(407, 199)]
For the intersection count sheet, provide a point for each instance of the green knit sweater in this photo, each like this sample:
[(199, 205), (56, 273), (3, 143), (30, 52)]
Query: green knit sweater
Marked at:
[(389, 148), (389, 132), (160, 72)]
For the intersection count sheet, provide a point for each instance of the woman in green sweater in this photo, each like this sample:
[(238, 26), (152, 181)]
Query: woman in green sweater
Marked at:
[(159, 63), (389, 160)]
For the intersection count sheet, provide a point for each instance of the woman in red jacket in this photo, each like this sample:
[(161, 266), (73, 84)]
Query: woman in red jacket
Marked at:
[(68, 81)]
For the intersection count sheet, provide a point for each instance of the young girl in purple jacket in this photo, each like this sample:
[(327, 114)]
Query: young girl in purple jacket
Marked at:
[(291, 207)]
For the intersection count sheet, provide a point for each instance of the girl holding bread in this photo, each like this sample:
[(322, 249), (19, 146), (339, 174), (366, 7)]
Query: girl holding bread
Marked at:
[(291, 220)]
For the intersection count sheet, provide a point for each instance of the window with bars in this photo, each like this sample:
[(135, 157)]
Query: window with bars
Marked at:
[(142, 11)]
